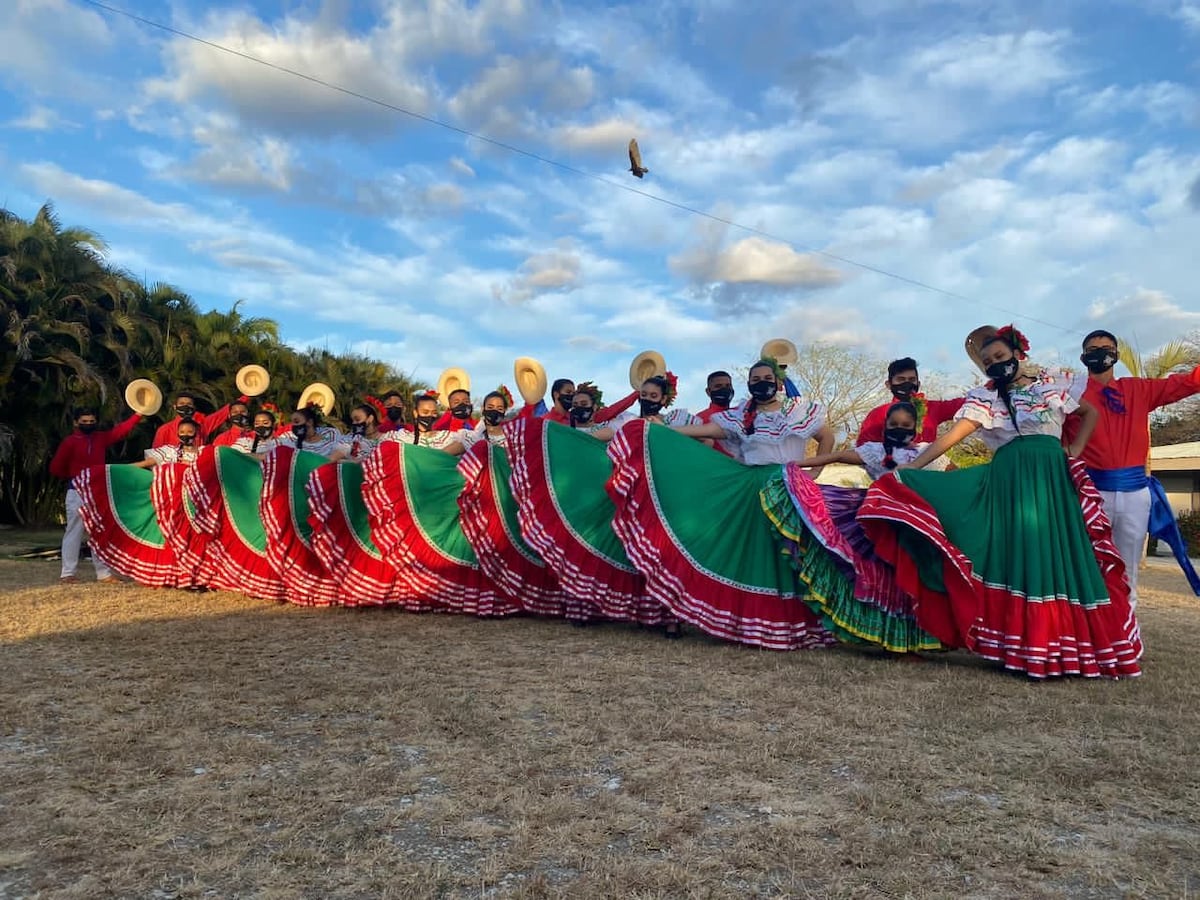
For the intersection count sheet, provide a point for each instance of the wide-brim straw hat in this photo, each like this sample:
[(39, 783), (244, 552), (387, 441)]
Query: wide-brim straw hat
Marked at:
[(252, 380), (452, 379), (975, 341), (320, 393), (143, 397), (645, 365), (530, 376), (781, 350)]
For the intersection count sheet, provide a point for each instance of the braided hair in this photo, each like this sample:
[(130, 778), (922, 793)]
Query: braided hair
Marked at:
[(751, 410), (888, 446), (270, 414), (1016, 342)]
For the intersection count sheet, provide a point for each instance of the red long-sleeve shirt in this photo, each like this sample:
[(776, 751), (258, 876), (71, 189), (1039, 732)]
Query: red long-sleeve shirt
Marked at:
[(78, 451), (168, 432), (936, 412), (1122, 439)]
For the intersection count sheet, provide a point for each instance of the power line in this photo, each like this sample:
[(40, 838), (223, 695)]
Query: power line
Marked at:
[(529, 154)]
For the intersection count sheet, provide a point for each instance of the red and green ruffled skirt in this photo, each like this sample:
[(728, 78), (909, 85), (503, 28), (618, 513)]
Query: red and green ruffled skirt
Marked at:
[(559, 478), (341, 538), (411, 494), (225, 489), (855, 593), (284, 509), (122, 525), (488, 513), (1012, 560), (692, 523)]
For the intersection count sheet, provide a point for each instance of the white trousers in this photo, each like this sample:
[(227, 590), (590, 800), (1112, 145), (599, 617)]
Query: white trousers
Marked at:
[(73, 539), (1129, 512)]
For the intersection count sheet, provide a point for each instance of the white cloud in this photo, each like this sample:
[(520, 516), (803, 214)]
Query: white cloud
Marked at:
[(610, 135), (460, 166), (1077, 159), (46, 44), (265, 98), (42, 118), (557, 270), (506, 98), (1189, 14), (1146, 317), (1000, 64), (756, 260)]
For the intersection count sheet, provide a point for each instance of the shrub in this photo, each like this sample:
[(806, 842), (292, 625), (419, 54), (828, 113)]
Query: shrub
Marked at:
[(1189, 525)]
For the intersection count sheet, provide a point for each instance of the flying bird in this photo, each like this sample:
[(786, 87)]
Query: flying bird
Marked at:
[(635, 160)]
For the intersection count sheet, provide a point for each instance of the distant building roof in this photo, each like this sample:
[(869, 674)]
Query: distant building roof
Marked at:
[(1176, 451)]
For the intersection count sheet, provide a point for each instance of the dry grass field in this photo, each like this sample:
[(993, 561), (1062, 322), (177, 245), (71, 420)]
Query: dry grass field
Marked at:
[(162, 744)]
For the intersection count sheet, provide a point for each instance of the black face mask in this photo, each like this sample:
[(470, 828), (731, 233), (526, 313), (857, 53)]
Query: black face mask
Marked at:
[(300, 431), (649, 407), (899, 437), (905, 389), (263, 431), (426, 422), (581, 415), (1099, 360), (763, 391), (186, 412), (240, 421), (461, 411), (395, 413), (565, 401), (493, 416), (1003, 373), (358, 428), (721, 397), (88, 428), (187, 439)]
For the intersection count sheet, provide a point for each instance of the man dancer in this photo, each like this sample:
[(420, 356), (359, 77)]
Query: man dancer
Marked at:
[(185, 408), (562, 393), (1119, 447), (904, 381), (240, 425), (82, 448), (720, 394)]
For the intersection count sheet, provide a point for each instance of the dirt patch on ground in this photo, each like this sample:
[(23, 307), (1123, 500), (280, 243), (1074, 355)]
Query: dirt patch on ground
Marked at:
[(166, 744)]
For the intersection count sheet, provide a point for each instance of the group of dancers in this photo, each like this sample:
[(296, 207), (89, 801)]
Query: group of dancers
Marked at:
[(642, 512)]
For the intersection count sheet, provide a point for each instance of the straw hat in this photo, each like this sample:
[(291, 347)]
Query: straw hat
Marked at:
[(530, 376), (452, 379), (646, 365), (252, 380), (975, 341), (143, 397), (781, 350), (320, 393)]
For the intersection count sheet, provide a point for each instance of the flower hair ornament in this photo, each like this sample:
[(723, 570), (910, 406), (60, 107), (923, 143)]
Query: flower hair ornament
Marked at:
[(504, 392), (269, 407), (1015, 339), (921, 405), (771, 361), (672, 390), (427, 394), (592, 391)]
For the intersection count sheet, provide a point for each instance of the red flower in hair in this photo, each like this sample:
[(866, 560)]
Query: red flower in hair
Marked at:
[(1015, 339), (672, 390), (508, 397)]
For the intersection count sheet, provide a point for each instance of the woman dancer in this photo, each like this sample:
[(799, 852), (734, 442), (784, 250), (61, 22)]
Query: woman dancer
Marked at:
[(1013, 560), (722, 570), (363, 437)]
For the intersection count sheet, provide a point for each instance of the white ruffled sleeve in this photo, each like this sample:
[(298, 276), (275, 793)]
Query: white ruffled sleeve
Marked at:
[(978, 407)]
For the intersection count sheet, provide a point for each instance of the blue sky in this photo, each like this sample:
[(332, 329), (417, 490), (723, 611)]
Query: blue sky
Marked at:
[(1041, 159)]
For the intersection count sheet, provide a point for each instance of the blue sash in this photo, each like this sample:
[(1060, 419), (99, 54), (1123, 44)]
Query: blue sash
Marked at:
[(789, 388), (1162, 525)]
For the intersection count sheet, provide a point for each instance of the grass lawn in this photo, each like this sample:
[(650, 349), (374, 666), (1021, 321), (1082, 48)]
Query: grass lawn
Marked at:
[(165, 744)]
